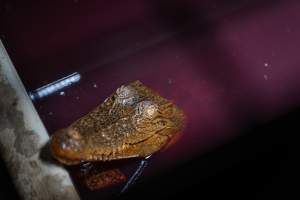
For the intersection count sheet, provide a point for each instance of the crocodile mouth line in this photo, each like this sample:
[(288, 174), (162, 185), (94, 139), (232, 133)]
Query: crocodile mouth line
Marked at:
[(72, 161), (67, 161)]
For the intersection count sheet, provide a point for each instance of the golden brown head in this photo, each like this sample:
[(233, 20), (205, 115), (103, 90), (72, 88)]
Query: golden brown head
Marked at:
[(134, 121)]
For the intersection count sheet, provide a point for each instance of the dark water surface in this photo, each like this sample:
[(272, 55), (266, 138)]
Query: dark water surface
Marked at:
[(228, 64)]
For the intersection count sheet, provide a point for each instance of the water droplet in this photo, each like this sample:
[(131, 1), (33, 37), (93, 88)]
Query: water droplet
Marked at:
[(62, 93), (266, 77), (95, 85)]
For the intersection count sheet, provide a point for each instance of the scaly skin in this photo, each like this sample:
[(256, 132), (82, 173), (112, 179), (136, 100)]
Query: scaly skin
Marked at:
[(133, 122)]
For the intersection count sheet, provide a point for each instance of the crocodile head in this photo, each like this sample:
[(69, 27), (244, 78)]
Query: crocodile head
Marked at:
[(133, 122)]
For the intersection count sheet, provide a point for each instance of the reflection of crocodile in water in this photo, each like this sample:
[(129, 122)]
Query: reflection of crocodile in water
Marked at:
[(133, 122)]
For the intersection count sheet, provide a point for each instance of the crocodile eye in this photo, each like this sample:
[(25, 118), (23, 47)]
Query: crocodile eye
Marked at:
[(146, 109), (150, 111), (125, 92), (166, 123), (125, 95), (163, 123)]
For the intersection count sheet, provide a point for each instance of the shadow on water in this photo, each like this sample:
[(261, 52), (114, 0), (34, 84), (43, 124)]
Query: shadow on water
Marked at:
[(95, 179), (259, 164)]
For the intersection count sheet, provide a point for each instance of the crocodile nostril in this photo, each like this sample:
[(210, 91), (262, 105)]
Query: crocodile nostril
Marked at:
[(74, 134)]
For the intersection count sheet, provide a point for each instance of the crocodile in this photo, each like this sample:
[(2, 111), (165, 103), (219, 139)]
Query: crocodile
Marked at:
[(134, 121)]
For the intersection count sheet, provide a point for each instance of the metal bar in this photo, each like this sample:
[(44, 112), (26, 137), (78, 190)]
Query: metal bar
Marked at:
[(55, 86), (143, 164)]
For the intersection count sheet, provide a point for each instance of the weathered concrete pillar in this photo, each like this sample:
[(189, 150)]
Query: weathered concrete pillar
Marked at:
[(22, 135)]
